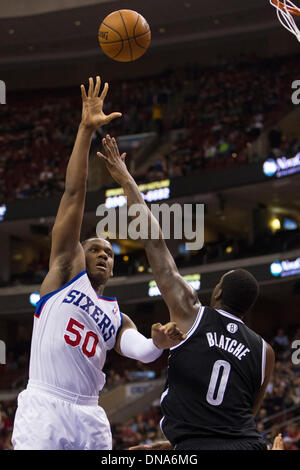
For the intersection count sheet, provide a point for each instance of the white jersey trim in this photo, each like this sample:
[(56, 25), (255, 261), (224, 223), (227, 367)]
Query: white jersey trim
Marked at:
[(161, 426), (263, 366), (229, 315), (41, 303), (164, 394), (192, 330)]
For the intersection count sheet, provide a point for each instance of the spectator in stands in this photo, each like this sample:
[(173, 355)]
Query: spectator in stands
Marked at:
[(293, 394), (288, 444), (280, 342), (293, 432)]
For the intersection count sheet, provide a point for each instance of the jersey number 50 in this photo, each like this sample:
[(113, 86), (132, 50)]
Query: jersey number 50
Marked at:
[(90, 338)]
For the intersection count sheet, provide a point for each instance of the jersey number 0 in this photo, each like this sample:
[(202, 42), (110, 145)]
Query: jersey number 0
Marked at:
[(210, 397)]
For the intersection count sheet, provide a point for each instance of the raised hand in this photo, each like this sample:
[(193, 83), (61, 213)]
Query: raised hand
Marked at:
[(115, 163), (166, 336), (92, 105)]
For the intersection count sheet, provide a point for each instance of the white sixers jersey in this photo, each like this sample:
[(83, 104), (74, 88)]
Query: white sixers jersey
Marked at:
[(72, 332)]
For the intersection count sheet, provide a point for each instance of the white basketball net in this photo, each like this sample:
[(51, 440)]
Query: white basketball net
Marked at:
[(285, 16)]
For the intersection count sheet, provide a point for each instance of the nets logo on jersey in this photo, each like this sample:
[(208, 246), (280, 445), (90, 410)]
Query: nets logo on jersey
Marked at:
[(232, 327)]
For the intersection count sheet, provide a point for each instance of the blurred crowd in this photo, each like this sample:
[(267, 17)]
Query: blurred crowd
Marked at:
[(220, 110), (280, 412), (7, 415), (38, 129), (281, 146), (225, 248), (141, 429)]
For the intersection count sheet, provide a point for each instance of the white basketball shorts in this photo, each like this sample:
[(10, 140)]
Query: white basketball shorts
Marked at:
[(48, 418)]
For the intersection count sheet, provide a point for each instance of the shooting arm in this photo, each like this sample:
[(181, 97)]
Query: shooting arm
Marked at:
[(67, 227), (67, 256)]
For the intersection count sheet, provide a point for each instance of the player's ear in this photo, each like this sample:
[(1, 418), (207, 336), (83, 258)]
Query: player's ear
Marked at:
[(218, 294)]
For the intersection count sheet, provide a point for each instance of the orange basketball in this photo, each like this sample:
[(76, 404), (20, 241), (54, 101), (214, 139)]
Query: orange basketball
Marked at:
[(124, 35)]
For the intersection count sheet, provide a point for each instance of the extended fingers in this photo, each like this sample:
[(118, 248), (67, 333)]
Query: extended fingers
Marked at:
[(111, 150), (92, 92), (91, 87), (110, 144), (101, 155), (104, 91), (107, 144), (97, 86), (114, 143), (83, 93)]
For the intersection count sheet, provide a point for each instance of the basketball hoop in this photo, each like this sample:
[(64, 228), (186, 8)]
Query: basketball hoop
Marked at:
[(286, 10)]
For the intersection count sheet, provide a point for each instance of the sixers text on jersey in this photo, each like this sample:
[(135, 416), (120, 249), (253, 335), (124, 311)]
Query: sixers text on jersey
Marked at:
[(81, 300)]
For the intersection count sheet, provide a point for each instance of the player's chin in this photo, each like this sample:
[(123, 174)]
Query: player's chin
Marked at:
[(99, 276), (103, 277)]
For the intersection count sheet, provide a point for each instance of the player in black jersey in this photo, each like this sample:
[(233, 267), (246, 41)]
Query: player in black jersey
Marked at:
[(218, 375)]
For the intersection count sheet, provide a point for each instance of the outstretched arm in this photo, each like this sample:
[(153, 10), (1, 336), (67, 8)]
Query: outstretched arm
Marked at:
[(67, 256), (181, 299)]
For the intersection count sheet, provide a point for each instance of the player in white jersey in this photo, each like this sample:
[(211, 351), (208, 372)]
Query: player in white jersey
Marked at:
[(74, 324)]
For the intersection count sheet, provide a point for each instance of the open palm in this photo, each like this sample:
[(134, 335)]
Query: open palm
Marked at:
[(92, 105)]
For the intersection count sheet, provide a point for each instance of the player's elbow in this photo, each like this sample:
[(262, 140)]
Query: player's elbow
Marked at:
[(147, 360), (75, 190), (144, 360), (154, 243)]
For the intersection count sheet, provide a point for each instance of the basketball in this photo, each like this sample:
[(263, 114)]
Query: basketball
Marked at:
[(124, 35)]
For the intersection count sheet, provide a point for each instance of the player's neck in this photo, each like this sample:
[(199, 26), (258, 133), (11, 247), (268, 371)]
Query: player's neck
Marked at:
[(219, 305), (98, 288)]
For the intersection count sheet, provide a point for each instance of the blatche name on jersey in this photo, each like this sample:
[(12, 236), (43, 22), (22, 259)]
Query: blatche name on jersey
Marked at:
[(228, 344)]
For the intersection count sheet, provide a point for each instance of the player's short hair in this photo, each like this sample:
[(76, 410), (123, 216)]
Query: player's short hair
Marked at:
[(86, 241), (239, 291), (91, 239)]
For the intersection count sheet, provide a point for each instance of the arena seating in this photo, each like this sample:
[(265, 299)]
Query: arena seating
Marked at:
[(222, 109), (137, 264)]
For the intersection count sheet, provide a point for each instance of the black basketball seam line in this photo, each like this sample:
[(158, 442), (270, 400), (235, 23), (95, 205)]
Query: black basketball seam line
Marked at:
[(142, 47), (114, 42), (121, 39), (115, 30), (137, 20), (119, 50), (140, 35), (127, 35)]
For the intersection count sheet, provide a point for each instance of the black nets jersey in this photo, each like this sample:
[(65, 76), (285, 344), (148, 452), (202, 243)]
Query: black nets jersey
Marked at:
[(213, 376)]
